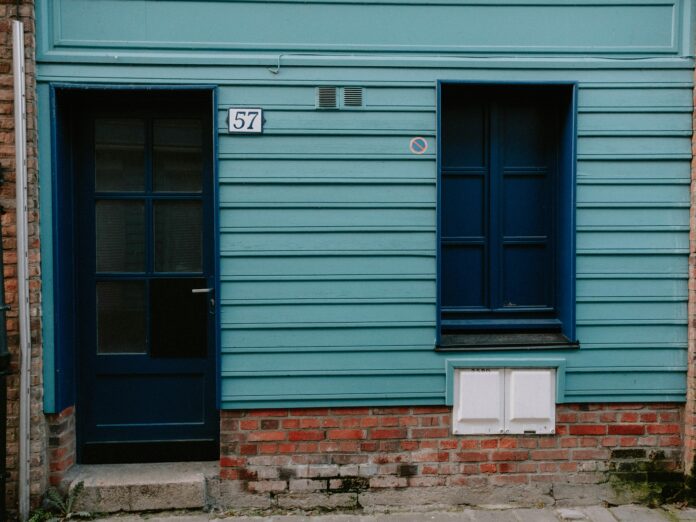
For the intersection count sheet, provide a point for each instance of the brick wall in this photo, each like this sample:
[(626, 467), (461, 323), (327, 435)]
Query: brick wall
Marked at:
[(61, 444), (282, 454), (9, 10)]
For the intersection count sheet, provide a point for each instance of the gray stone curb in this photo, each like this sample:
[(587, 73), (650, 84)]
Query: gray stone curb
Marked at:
[(629, 513)]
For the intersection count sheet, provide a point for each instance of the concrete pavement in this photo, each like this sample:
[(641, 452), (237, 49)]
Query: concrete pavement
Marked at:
[(629, 513)]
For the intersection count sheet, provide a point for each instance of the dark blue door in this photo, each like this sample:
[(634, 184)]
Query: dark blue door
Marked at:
[(145, 275)]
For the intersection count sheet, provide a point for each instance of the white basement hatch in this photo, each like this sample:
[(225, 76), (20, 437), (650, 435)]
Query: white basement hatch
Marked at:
[(504, 400)]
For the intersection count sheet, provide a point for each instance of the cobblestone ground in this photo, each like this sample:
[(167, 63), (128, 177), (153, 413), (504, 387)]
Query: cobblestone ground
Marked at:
[(492, 514)]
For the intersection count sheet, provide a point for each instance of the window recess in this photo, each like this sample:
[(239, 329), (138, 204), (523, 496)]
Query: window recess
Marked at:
[(506, 213)]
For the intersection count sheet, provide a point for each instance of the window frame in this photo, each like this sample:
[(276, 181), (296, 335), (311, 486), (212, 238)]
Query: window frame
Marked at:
[(564, 224)]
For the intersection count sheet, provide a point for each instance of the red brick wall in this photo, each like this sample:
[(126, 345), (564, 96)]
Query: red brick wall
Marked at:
[(8, 12), (315, 450), (61, 444)]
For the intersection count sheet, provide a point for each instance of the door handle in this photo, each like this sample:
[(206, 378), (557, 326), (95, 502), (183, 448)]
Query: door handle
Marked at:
[(211, 301)]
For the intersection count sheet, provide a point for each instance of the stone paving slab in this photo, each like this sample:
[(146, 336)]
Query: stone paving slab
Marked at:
[(581, 514), (597, 514), (535, 515), (639, 514), (682, 514), (487, 516), (573, 514)]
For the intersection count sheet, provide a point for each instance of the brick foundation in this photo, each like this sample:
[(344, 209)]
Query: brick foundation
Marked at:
[(285, 453), (61, 444)]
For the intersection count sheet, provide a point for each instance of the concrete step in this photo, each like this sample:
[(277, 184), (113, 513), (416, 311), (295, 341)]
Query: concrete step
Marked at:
[(109, 488)]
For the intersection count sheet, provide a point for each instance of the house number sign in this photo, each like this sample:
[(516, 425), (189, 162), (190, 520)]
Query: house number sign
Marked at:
[(244, 120)]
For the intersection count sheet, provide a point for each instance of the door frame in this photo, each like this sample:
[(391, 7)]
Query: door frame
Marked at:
[(65, 366)]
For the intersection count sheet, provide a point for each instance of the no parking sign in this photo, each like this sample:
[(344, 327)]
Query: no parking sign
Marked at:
[(418, 145)]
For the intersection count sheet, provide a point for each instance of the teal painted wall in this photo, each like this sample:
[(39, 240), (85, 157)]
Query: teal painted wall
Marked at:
[(328, 222)]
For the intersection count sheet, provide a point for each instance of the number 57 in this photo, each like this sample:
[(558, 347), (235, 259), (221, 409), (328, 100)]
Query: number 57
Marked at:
[(245, 120)]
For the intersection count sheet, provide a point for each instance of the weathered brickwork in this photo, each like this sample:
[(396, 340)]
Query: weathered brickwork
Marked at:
[(284, 451), (24, 10), (61, 444)]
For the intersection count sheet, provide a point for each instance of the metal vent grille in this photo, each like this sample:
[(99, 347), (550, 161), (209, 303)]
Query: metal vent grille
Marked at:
[(352, 96), (327, 98)]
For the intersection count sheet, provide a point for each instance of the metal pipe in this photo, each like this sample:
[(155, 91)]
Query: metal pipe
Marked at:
[(20, 112)]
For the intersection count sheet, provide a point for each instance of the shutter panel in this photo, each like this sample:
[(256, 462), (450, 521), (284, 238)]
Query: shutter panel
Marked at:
[(464, 204), (479, 401), (531, 401)]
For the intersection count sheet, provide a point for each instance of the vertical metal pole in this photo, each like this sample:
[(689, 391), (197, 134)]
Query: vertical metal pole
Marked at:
[(22, 267)]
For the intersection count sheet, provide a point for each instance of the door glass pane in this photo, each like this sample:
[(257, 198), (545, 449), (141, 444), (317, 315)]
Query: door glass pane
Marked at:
[(177, 155), (121, 317), (178, 231), (179, 317), (119, 158), (120, 232)]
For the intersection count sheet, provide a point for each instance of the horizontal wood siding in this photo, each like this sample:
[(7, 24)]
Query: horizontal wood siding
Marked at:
[(347, 244), (327, 238)]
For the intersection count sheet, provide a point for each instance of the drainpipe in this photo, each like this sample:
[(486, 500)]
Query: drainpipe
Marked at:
[(20, 111)]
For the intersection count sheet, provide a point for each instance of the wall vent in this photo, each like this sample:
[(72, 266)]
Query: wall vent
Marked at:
[(352, 96), (327, 98)]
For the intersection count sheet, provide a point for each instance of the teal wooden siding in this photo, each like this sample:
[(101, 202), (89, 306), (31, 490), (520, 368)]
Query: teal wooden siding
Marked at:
[(327, 247)]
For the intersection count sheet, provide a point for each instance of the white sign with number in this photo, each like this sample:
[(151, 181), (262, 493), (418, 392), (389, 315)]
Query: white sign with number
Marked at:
[(245, 120)]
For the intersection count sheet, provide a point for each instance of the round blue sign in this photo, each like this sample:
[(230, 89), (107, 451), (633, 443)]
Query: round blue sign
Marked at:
[(418, 145)]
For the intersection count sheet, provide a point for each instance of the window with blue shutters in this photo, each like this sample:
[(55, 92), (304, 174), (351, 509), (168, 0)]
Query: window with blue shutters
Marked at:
[(506, 215)]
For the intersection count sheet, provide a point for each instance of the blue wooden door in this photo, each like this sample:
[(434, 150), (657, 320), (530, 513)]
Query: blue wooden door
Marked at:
[(144, 182)]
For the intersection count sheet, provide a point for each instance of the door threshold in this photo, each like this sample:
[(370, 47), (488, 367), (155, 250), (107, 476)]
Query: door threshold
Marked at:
[(109, 488), (150, 451)]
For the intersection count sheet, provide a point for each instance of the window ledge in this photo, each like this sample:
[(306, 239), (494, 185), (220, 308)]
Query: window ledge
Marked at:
[(504, 341)]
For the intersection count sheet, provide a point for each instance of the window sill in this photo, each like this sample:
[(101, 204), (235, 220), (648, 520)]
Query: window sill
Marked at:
[(504, 341)]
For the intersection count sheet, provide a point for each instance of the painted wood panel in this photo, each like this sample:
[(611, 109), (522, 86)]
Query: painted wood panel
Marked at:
[(631, 218), (589, 290), (349, 26), (313, 291), (327, 245), (325, 169)]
